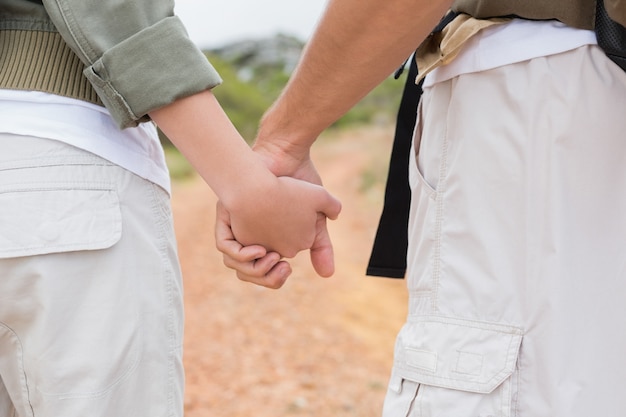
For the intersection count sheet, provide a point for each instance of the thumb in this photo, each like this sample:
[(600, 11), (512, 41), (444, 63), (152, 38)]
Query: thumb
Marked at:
[(322, 257)]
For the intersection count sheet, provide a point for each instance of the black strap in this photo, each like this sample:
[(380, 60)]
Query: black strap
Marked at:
[(388, 258), (611, 36)]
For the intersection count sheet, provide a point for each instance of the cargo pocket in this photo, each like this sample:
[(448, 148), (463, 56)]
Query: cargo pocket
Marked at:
[(455, 367), (37, 220)]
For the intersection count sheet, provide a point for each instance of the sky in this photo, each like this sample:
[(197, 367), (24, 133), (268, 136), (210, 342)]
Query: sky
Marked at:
[(213, 23)]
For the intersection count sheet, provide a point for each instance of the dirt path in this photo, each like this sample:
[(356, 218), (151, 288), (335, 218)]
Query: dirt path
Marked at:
[(317, 347)]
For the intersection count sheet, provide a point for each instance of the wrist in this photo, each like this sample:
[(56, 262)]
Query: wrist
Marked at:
[(282, 143), (245, 183), (281, 157)]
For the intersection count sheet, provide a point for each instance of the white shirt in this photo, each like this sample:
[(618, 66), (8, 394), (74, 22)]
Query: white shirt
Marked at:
[(516, 41), (85, 126)]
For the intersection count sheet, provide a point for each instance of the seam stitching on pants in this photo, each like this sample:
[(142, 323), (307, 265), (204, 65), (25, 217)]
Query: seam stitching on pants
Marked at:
[(159, 213), (441, 186)]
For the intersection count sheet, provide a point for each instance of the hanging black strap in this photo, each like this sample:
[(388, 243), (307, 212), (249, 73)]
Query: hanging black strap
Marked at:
[(388, 258)]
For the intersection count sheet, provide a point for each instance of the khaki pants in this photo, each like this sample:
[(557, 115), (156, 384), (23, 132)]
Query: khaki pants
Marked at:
[(90, 288), (517, 245)]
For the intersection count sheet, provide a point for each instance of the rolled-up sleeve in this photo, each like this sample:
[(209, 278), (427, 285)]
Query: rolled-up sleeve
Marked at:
[(137, 53)]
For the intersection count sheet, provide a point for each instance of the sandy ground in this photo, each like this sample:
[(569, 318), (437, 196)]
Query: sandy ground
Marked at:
[(317, 347)]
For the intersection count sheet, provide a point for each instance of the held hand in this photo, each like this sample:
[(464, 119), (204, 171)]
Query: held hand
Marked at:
[(251, 263), (283, 158), (256, 265), (289, 218), (281, 216)]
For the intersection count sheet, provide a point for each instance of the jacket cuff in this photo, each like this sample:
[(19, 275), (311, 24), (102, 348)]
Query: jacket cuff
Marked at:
[(149, 70)]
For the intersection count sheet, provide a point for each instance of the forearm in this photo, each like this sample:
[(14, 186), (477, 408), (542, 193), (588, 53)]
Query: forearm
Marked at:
[(356, 45), (202, 132)]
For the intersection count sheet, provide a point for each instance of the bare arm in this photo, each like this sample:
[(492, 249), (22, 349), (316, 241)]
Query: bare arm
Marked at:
[(357, 44), (200, 129)]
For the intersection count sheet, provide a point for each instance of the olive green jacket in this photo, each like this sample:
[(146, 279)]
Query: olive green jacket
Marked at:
[(132, 56)]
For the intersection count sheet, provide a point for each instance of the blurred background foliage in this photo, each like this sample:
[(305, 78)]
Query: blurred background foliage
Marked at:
[(254, 73)]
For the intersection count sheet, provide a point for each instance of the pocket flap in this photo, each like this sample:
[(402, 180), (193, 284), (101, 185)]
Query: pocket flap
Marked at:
[(456, 353), (42, 221)]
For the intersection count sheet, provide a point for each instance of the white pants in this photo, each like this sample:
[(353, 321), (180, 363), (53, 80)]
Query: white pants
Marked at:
[(517, 252), (90, 288)]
